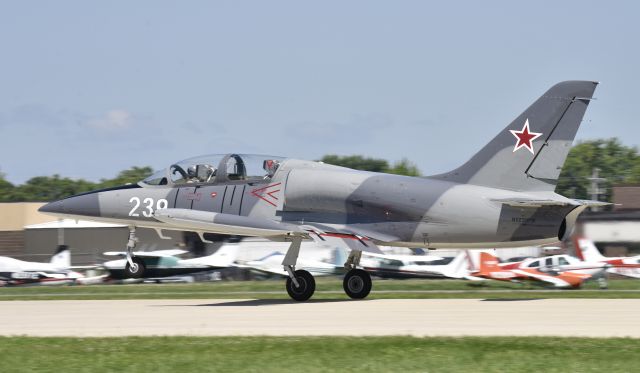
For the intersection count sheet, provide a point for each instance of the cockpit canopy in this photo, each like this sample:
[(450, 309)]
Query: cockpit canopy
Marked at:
[(217, 168)]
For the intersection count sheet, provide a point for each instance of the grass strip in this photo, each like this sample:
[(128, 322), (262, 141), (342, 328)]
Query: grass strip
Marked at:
[(318, 354)]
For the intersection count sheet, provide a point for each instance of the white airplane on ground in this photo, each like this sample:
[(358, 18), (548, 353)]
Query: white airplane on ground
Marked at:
[(623, 265), (331, 264), (56, 272), (161, 264), (421, 266)]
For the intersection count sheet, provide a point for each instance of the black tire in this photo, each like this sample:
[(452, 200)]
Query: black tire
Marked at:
[(137, 271), (357, 283), (305, 290)]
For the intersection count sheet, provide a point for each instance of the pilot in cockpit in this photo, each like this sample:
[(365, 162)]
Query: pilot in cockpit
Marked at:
[(191, 174), (202, 173), (270, 166)]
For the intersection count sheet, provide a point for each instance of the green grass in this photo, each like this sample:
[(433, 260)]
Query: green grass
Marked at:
[(327, 288), (318, 354)]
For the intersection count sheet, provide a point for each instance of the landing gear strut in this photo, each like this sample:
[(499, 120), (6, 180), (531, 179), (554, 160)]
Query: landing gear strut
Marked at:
[(135, 266), (357, 282), (300, 285)]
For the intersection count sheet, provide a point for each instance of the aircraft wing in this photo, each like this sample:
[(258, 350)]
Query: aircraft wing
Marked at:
[(148, 254), (625, 271), (346, 238), (213, 222), (540, 277)]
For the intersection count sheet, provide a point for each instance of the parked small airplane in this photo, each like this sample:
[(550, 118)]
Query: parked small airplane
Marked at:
[(623, 265), (414, 266), (164, 263), (56, 272), (272, 264), (561, 271), (502, 197)]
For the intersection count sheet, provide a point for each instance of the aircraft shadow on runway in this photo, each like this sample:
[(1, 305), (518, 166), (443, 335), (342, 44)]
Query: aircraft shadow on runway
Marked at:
[(259, 302), (510, 299)]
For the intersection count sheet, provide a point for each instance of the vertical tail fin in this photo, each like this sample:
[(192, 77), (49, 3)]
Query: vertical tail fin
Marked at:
[(586, 250), (458, 267), (62, 257), (529, 153), (488, 263)]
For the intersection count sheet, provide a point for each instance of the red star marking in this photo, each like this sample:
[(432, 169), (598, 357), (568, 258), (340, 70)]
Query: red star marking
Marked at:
[(525, 137), (267, 193)]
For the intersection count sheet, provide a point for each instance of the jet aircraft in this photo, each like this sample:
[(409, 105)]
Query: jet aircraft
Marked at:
[(502, 197)]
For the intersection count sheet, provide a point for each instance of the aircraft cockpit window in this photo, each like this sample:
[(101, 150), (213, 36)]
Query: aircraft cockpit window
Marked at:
[(218, 168), (235, 168), (158, 178), (562, 261), (200, 170), (252, 168), (197, 173), (534, 264), (260, 167)]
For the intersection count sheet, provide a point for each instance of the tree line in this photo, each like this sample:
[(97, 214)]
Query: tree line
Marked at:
[(617, 164)]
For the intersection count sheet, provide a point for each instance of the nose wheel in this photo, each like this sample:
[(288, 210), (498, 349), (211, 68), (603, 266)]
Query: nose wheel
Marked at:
[(357, 283), (135, 266), (135, 270), (305, 287)]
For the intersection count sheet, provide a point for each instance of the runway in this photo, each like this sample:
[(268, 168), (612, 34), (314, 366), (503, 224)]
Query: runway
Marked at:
[(417, 317)]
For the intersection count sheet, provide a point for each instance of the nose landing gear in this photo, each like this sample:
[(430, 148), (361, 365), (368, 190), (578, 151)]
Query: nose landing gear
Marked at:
[(135, 266)]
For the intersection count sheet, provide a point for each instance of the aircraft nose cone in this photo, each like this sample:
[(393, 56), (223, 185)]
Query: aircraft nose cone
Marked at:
[(52, 207), (83, 205)]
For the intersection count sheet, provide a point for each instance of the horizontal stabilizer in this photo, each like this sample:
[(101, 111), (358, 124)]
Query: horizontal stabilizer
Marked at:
[(591, 203), (523, 202)]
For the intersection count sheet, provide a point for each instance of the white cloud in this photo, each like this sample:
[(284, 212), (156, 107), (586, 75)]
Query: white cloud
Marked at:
[(116, 119)]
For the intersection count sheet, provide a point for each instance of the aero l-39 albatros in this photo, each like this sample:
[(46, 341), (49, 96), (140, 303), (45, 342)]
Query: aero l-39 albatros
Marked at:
[(502, 197)]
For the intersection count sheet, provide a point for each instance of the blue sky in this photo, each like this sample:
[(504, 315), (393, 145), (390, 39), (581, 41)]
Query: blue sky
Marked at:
[(90, 88)]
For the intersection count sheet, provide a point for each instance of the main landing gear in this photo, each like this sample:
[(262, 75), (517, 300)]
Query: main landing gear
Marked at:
[(301, 285), (135, 266), (357, 282)]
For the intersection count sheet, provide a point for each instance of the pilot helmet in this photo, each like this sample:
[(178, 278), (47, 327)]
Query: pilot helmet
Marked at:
[(191, 171), (271, 166)]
